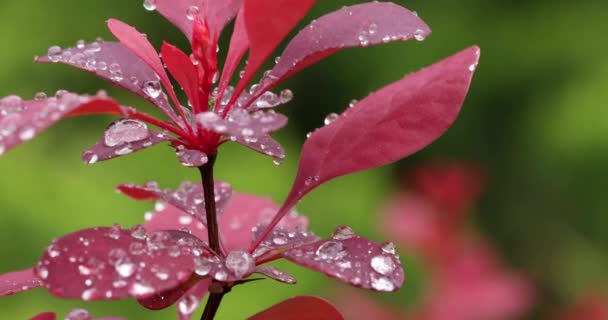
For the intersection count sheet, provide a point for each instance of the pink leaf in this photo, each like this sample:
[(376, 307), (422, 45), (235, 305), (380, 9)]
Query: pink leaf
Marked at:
[(354, 26), (276, 274), (300, 308), (123, 137), (388, 125), (266, 29), (141, 47), (188, 197), (112, 263), (18, 281), (116, 63), (352, 259), (182, 69), (21, 121), (182, 12)]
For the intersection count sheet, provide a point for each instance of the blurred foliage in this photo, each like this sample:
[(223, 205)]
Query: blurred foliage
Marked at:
[(535, 118)]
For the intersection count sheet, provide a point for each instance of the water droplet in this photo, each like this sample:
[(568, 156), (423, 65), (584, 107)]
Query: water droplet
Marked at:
[(102, 65), (138, 232), (202, 267), (373, 28), (152, 88), (472, 67), (352, 103), (116, 72), (278, 161), (279, 241), (114, 232), (78, 314), (54, 53), (363, 39), (188, 304), (382, 283), (141, 289), (40, 96), (89, 294), (125, 267), (150, 5), (27, 134), (124, 131), (240, 262), (388, 247), (192, 158), (53, 251), (286, 95), (331, 250), (80, 44), (331, 118), (383, 264), (90, 157), (343, 233), (192, 12), (137, 248), (43, 273), (419, 35)]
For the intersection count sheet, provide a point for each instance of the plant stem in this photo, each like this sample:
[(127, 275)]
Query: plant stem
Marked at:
[(213, 303), (209, 194)]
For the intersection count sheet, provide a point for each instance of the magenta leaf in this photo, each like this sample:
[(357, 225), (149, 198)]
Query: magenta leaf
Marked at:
[(276, 274), (185, 73), (45, 316), (76, 314), (168, 217), (18, 281), (352, 259), (188, 197), (182, 13), (239, 43), (266, 29), (353, 26), (388, 125), (123, 137), (281, 239), (113, 263), (114, 62), (21, 120), (300, 308)]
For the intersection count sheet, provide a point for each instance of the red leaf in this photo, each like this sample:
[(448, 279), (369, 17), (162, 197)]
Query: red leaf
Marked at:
[(239, 43), (300, 308), (114, 62), (45, 316), (388, 125), (276, 274), (352, 259), (266, 28), (354, 26), (21, 121), (219, 13), (18, 281), (140, 46), (182, 69), (112, 263)]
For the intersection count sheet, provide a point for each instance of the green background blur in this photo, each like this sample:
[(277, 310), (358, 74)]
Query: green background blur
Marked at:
[(535, 118)]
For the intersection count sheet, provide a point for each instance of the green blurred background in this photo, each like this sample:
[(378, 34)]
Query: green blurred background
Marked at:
[(535, 118)]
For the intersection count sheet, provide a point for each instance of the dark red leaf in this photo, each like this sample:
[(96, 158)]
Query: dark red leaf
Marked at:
[(276, 274), (21, 120), (123, 137), (354, 26), (388, 125), (184, 72), (300, 308), (112, 263), (352, 259), (45, 316), (266, 29), (114, 62), (18, 281), (239, 43), (188, 197), (182, 13)]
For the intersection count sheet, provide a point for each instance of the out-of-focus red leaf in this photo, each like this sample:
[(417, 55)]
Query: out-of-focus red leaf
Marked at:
[(388, 125), (18, 281), (114, 62), (360, 25), (239, 43), (113, 263), (45, 316), (300, 308), (266, 28), (219, 13), (21, 120), (352, 259)]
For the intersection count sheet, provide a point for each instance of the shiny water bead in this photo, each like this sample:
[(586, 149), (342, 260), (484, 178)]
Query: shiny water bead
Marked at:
[(383, 264), (419, 35), (343, 233), (202, 266), (125, 131), (80, 44), (331, 250), (240, 263), (27, 134), (55, 53), (115, 72), (388, 247), (78, 314), (373, 28), (187, 305), (286, 95), (138, 232), (40, 96), (150, 5), (331, 118), (363, 38), (152, 88), (382, 283), (125, 267), (191, 157), (192, 12)]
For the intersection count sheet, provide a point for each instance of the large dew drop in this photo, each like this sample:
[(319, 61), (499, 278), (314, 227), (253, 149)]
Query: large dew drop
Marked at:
[(240, 263), (78, 314), (331, 250), (187, 305), (383, 264), (125, 131), (152, 88), (150, 5)]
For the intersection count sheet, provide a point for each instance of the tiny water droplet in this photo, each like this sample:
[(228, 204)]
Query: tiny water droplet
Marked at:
[(286, 95), (54, 53), (150, 5), (187, 305), (382, 283), (152, 88), (331, 250), (192, 12), (78, 314), (343, 233), (419, 35), (331, 118)]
